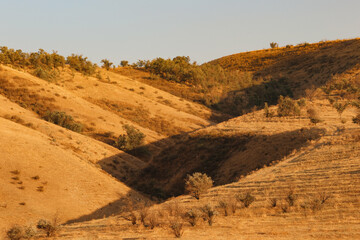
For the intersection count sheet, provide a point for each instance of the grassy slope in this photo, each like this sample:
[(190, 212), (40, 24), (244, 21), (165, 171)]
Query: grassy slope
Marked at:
[(328, 165), (67, 162)]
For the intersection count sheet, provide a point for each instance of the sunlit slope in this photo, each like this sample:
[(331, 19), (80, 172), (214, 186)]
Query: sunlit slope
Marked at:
[(40, 178)]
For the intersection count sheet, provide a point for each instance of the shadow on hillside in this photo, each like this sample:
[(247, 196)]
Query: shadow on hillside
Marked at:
[(123, 204), (293, 76), (224, 157)]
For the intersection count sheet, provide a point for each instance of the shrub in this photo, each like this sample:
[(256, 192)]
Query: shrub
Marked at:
[(131, 140), (15, 233), (124, 63), (63, 120), (340, 107), (313, 116), (247, 200), (176, 227), (106, 64), (288, 107), (274, 45), (228, 206), (81, 64), (192, 216), (291, 198), (356, 119), (208, 214), (197, 184), (46, 74), (49, 228), (267, 112)]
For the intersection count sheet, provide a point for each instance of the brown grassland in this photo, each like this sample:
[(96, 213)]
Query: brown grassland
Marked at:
[(275, 177)]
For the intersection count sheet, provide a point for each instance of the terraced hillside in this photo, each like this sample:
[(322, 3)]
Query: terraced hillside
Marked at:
[(311, 193)]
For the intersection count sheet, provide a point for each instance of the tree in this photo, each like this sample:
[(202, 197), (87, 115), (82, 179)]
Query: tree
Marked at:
[(124, 63), (274, 45), (106, 64), (197, 184)]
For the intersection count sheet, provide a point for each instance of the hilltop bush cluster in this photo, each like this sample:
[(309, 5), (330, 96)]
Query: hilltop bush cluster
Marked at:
[(44, 64)]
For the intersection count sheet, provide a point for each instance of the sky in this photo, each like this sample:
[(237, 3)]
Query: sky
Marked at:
[(145, 29)]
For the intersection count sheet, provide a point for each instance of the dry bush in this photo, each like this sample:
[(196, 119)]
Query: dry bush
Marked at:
[(197, 184), (291, 198), (50, 228), (356, 119), (247, 200), (143, 212), (15, 233), (313, 116), (130, 217), (228, 206), (177, 227), (133, 138), (192, 216), (287, 107), (273, 202), (153, 220), (209, 214), (173, 208)]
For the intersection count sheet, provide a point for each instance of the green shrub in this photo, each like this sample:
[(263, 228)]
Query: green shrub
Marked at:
[(287, 107), (81, 64), (46, 74), (197, 184), (63, 120), (131, 140)]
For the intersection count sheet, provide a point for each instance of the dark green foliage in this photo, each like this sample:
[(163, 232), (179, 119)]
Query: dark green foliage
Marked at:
[(131, 140), (106, 64), (288, 107), (81, 64), (46, 74), (63, 120)]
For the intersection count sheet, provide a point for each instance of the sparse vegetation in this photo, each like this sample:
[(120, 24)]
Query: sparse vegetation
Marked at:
[(131, 140), (177, 228), (313, 116), (50, 228), (192, 216), (208, 213), (288, 107), (63, 120), (247, 200), (106, 64), (197, 184)]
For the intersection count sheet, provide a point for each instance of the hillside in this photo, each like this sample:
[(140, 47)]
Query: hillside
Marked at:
[(321, 178), (298, 158), (48, 170)]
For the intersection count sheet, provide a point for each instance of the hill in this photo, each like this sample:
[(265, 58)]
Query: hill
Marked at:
[(48, 170), (308, 192)]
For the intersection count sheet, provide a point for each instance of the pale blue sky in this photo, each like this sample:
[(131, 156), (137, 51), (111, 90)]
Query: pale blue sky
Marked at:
[(145, 29)]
